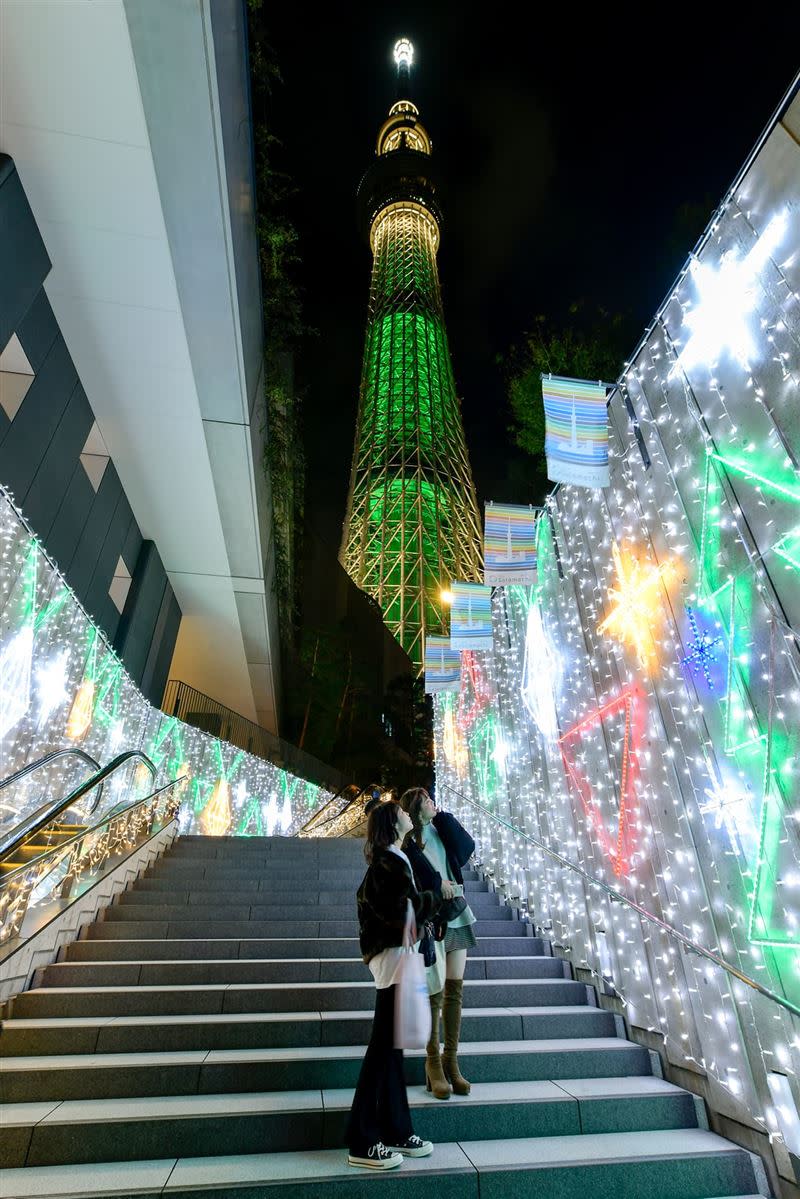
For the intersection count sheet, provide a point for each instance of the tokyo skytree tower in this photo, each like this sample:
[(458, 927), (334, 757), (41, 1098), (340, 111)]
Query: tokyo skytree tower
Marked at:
[(412, 522)]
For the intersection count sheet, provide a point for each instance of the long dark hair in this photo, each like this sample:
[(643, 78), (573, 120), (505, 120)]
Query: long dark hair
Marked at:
[(411, 802), (381, 828)]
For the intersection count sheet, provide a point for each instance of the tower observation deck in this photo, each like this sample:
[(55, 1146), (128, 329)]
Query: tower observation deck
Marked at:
[(412, 522)]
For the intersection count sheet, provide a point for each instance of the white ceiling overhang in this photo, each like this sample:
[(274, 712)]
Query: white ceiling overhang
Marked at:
[(129, 127)]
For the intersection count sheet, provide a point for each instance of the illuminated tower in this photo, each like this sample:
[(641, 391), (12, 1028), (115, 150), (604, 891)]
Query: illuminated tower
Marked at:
[(412, 520)]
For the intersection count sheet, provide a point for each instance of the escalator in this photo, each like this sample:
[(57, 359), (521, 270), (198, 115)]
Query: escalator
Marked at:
[(51, 846)]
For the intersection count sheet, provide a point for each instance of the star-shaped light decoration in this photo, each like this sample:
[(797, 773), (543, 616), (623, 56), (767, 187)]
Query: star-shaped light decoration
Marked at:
[(51, 686), (718, 320), (636, 604), (701, 655), (541, 673)]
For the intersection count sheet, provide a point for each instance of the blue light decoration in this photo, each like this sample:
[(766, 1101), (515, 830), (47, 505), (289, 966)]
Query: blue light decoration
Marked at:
[(701, 655)]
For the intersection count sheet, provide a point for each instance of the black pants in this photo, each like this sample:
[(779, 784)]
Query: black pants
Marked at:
[(380, 1104)]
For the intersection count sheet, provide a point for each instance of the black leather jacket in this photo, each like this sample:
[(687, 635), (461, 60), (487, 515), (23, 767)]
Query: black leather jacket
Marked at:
[(382, 903)]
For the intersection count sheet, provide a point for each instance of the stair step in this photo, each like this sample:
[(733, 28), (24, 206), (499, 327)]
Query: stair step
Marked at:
[(673, 1164), (255, 947), (95, 1130), (167, 973), (273, 997), (305, 898), (131, 909), (293, 929), (248, 1030), (288, 882), (118, 1075)]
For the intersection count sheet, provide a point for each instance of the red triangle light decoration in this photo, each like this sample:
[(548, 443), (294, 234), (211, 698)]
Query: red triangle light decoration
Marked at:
[(630, 702)]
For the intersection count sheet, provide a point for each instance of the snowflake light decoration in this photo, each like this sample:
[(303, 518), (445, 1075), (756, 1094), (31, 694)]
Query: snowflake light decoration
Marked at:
[(701, 655)]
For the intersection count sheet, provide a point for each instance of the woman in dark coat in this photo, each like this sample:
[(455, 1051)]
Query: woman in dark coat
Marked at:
[(379, 1131), (438, 848)]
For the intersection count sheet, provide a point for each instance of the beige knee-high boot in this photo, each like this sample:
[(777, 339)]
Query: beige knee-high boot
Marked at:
[(451, 1017), (435, 1080)]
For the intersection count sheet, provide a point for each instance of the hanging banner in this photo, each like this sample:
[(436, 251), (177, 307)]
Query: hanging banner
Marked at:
[(509, 545), (471, 616), (442, 665), (576, 431)]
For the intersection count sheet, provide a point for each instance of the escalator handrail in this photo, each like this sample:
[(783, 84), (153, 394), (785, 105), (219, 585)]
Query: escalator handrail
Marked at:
[(73, 751), (114, 814), (317, 822), (31, 827)]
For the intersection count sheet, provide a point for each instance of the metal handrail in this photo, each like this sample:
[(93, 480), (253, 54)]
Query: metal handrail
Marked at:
[(189, 705), (62, 805), (46, 760), (85, 832), (316, 820), (619, 897)]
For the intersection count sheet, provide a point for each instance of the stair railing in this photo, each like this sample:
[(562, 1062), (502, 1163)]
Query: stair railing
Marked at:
[(41, 817), (116, 832), (619, 897)]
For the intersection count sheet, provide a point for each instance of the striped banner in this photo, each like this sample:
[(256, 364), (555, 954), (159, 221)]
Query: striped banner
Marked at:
[(576, 431), (471, 616), (509, 545), (442, 665)]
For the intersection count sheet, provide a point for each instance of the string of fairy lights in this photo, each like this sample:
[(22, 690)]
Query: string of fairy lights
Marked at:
[(62, 685), (639, 709)]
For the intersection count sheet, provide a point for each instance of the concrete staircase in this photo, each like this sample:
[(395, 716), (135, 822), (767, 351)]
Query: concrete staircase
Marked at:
[(204, 1038)]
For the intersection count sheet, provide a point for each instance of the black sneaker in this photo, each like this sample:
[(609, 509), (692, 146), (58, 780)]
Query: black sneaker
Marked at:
[(378, 1157), (413, 1147)]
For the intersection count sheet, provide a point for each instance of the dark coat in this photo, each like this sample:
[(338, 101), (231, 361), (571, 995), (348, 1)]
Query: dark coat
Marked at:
[(382, 903), (459, 848)]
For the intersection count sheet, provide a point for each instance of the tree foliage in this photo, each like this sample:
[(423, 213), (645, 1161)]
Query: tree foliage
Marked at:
[(281, 298), (589, 343)]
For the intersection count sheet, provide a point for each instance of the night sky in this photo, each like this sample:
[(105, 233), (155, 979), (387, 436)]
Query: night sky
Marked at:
[(569, 154)]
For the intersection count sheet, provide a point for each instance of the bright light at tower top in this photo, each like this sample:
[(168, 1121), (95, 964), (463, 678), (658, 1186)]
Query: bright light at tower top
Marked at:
[(403, 52)]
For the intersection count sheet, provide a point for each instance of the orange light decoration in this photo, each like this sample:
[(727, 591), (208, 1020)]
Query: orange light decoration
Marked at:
[(636, 601), (455, 751), (80, 714), (215, 818)]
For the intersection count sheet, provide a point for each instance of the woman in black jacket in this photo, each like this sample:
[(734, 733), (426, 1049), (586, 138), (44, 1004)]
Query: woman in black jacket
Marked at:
[(379, 1131), (438, 848)]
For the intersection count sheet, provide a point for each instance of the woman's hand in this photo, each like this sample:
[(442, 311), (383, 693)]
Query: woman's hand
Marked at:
[(447, 889)]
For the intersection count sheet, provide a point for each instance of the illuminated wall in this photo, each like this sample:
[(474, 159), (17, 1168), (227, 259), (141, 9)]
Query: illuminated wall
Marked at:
[(640, 709), (61, 685)]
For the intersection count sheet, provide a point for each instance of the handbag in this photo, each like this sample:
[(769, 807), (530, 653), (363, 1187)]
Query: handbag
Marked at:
[(427, 944), (451, 908), (412, 1008)]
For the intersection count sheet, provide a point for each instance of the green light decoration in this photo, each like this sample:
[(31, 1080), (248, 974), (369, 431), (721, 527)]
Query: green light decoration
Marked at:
[(732, 599), (764, 899), (108, 682), (167, 746), (51, 609), (251, 815), (710, 533), (412, 524), (487, 748), (787, 490), (788, 548)]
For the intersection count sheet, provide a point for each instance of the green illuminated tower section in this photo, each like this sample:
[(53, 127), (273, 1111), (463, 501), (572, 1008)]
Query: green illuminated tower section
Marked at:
[(412, 522)]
